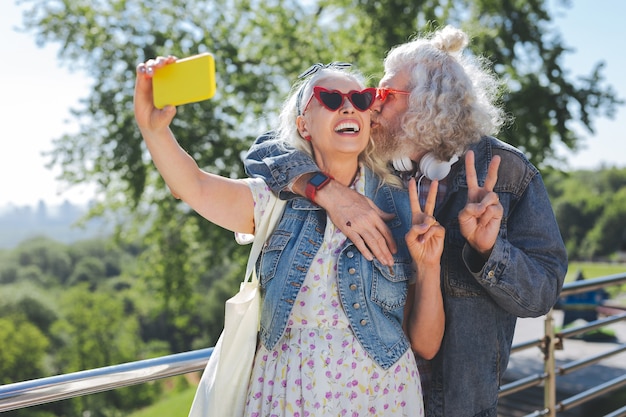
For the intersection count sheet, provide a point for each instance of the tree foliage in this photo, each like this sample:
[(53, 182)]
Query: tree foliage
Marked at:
[(260, 47), (590, 207), (60, 325), (96, 331), (172, 299), (23, 349)]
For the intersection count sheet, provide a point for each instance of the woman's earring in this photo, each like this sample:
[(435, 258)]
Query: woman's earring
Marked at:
[(307, 138)]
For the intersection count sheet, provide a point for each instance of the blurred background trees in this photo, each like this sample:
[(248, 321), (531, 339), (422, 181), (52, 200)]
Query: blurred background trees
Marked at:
[(260, 47), (170, 270)]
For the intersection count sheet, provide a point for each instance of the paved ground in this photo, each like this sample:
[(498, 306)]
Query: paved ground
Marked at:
[(530, 361)]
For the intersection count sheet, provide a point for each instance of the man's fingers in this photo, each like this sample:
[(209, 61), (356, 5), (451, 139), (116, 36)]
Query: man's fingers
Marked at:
[(380, 241), (490, 199), (386, 245), (361, 246), (371, 245), (381, 214), (492, 212), (367, 229), (386, 216), (382, 231), (492, 173), (470, 172)]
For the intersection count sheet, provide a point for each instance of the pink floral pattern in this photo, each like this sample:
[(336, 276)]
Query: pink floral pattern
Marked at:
[(319, 368)]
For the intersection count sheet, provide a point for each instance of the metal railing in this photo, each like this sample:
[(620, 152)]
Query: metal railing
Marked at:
[(553, 341), (60, 387)]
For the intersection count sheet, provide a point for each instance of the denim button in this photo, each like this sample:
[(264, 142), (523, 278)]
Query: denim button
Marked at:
[(363, 322), (351, 271), (356, 305), (353, 287), (491, 274), (350, 254)]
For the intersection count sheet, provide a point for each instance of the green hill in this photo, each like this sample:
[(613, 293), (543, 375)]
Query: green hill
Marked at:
[(174, 404)]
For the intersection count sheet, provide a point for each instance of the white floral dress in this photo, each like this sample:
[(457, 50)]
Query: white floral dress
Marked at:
[(318, 367)]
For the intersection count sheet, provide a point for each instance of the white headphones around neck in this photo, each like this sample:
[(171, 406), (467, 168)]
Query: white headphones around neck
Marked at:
[(430, 166)]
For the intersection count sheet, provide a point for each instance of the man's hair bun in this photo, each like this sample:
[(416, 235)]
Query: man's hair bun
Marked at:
[(450, 39)]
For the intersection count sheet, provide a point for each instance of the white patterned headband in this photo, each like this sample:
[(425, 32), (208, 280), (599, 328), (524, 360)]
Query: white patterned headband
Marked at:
[(314, 69)]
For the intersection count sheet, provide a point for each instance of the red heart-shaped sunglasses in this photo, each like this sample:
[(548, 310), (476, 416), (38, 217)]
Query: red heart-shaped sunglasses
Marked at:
[(333, 99)]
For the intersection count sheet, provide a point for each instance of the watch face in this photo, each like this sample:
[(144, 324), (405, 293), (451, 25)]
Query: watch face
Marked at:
[(318, 179)]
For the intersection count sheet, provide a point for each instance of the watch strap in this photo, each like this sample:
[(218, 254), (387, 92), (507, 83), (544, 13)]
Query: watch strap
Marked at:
[(316, 183)]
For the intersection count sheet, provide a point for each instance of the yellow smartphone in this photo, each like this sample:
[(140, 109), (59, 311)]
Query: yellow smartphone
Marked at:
[(187, 80)]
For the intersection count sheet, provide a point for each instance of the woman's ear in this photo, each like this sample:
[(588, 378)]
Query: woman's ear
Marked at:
[(302, 129)]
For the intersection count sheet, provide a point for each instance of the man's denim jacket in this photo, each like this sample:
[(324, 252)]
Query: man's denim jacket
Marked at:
[(482, 299), (373, 296)]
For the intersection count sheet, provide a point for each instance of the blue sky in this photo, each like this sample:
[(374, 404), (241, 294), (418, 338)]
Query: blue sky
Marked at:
[(38, 93)]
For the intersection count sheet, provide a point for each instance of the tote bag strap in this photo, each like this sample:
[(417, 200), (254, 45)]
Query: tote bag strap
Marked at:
[(264, 227)]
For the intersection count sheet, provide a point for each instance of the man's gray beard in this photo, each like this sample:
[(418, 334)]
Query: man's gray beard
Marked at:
[(390, 144)]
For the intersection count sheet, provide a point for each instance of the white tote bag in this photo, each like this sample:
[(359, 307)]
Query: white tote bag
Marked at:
[(224, 383)]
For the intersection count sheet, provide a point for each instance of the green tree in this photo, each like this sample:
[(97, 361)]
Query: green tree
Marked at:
[(23, 349), (96, 331), (111, 255), (44, 260), (88, 269), (30, 302), (260, 47), (590, 209), (607, 234)]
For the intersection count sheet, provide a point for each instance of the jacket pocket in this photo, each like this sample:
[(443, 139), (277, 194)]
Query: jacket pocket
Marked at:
[(390, 284), (270, 256)]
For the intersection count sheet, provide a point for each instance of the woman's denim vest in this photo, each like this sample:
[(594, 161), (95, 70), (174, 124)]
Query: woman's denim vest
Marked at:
[(372, 295)]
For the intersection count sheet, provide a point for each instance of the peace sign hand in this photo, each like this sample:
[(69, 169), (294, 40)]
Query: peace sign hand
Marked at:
[(481, 217), (425, 238)]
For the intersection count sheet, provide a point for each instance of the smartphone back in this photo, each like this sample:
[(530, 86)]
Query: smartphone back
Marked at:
[(187, 80)]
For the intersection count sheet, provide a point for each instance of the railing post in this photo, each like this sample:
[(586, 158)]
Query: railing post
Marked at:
[(549, 393)]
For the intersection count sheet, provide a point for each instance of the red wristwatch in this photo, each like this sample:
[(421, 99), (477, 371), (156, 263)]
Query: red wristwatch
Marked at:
[(316, 183)]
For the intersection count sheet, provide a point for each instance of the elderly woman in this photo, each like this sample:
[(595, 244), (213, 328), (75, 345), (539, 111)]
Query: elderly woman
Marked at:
[(334, 326)]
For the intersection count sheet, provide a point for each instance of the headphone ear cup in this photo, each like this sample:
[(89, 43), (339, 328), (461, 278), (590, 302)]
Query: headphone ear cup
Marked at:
[(403, 164), (435, 169)]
